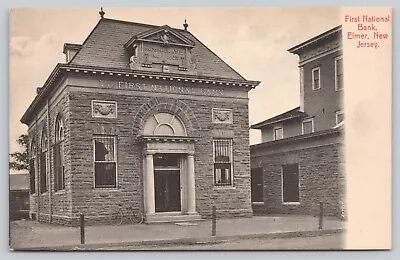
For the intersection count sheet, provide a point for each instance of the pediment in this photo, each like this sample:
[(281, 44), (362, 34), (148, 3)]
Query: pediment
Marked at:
[(162, 49), (164, 35)]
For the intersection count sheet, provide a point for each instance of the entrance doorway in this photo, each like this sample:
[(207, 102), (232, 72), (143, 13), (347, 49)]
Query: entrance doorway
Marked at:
[(167, 182), (167, 190)]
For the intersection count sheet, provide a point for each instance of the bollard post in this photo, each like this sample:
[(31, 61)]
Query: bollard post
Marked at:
[(214, 222), (82, 225), (321, 215)]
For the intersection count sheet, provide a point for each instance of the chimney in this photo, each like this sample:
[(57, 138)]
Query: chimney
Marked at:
[(70, 49)]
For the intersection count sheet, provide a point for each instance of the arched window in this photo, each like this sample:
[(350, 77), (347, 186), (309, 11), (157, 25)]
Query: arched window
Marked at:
[(43, 162), (59, 161), (164, 124), (32, 172)]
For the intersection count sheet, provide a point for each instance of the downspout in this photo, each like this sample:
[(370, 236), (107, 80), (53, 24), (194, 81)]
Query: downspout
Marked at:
[(48, 161), (37, 170)]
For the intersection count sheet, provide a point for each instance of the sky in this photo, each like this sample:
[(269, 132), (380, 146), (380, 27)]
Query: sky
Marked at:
[(254, 41)]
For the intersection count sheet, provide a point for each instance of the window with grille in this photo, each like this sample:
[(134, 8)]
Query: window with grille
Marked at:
[(338, 73), (43, 163), (223, 162), (59, 161), (105, 166), (316, 78), (290, 183)]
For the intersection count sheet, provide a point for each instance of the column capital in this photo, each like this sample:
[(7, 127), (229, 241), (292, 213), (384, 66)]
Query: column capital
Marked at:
[(191, 153)]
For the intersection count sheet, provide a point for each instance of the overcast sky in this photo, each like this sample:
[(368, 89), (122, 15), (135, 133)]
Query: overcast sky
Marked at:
[(254, 41)]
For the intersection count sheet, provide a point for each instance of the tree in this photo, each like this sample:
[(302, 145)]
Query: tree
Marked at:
[(20, 160)]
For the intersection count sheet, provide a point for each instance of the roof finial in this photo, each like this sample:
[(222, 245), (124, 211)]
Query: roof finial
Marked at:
[(102, 13), (185, 25)]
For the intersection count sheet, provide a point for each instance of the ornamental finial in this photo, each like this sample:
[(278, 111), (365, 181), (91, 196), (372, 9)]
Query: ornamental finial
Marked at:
[(185, 25), (102, 13)]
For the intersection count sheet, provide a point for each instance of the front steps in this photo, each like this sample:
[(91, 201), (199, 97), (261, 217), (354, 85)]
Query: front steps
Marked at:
[(171, 217)]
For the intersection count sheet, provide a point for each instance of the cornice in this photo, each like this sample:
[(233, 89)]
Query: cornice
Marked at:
[(62, 68)]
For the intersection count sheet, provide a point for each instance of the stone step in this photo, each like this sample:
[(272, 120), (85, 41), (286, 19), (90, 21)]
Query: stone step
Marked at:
[(172, 218)]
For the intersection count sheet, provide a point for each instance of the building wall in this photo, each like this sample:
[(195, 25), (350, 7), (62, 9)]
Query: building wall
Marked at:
[(322, 103), (98, 204), (52, 206), (290, 128), (321, 173)]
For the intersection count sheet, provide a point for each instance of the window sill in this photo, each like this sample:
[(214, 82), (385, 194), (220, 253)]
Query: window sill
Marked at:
[(227, 187), (60, 192), (290, 203), (257, 202), (44, 193), (106, 189)]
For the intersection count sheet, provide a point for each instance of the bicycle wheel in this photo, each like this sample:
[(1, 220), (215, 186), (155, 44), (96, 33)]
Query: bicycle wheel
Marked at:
[(117, 217), (140, 218)]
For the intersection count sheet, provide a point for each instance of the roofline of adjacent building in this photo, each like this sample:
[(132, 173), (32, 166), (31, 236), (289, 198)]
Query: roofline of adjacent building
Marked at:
[(298, 47), (266, 123), (67, 67), (331, 131)]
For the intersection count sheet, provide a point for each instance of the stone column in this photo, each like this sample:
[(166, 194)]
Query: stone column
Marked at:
[(149, 185), (191, 186)]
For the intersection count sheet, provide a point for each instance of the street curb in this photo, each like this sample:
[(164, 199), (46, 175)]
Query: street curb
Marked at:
[(184, 241)]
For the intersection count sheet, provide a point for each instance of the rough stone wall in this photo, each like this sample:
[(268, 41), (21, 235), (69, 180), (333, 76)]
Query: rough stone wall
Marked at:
[(99, 204), (321, 175), (54, 207)]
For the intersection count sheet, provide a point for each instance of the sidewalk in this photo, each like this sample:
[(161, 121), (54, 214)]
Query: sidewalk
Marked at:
[(27, 234)]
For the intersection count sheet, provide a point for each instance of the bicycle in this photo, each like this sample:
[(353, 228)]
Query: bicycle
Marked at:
[(118, 216)]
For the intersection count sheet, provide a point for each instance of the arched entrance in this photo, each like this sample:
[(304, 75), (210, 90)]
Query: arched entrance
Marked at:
[(169, 173)]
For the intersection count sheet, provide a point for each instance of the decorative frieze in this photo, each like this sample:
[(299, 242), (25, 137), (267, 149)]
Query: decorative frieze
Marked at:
[(104, 109), (222, 116)]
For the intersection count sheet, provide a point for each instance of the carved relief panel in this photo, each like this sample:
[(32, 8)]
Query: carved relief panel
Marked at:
[(104, 109), (222, 116)]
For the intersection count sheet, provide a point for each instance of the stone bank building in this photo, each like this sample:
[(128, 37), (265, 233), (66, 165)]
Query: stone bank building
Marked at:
[(139, 116), (300, 161)]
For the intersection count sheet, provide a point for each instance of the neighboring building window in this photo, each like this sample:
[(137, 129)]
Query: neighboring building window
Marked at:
[(290, 183), (105, 165), (338, 73), (43, 162), (59, 160), (278, 132), (32, 157), (223, 162), (339, 117), (308, 126), (316, 78)]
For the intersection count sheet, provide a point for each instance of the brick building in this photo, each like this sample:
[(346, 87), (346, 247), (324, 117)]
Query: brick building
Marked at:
[(139, 116), (300, 161)]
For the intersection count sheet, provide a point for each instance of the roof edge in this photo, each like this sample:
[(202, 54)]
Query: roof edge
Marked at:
[(69, 67), (300, 137), (265, 123), (295, 49)]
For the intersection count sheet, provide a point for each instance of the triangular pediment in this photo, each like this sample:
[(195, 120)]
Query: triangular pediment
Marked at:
[(163, 35)]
